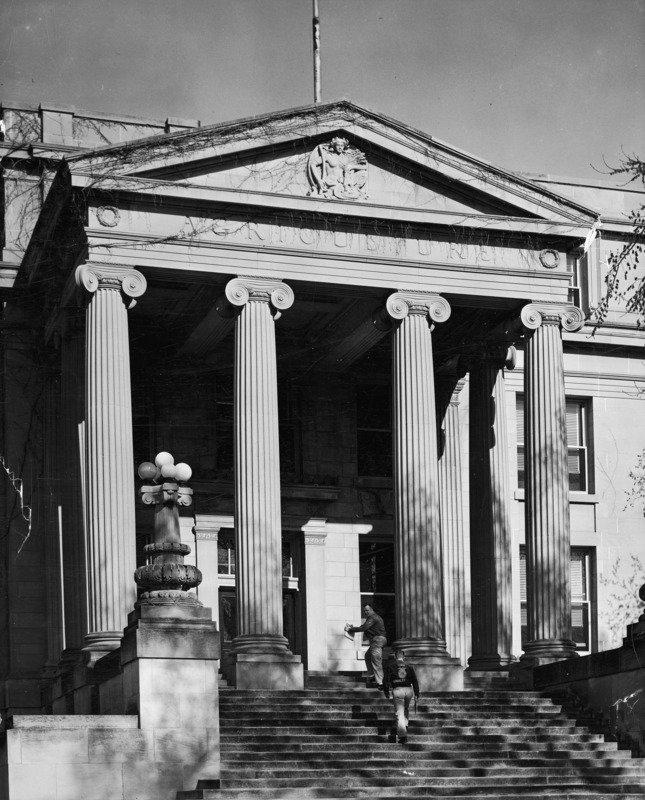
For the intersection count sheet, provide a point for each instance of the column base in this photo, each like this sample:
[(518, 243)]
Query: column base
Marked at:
[(438, 674), (490, 663), (100, 643), (282, 672), (536, 654), (545, 651), (422, 648)]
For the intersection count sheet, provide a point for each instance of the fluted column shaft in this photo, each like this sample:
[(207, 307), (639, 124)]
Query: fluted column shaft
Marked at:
[(419, 604), (452, 529), (257, 466), (109, 496), (490, 526), (546, 483)]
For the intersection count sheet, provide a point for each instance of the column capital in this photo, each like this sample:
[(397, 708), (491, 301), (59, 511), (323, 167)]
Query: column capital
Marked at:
[(486, 356), (400, 304), (569, 318), (91, 277), (243, 290)]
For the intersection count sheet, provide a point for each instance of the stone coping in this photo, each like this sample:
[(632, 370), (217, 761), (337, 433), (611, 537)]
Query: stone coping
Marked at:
[(72, 721), (631, 656)]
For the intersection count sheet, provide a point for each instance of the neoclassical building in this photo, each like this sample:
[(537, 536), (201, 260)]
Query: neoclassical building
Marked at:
[(374, 351)]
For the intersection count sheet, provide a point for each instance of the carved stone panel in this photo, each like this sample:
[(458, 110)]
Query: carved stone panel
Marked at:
[(338, 171)]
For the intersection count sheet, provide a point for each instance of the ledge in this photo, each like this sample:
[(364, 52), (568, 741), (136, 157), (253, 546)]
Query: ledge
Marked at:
[(574, 497)]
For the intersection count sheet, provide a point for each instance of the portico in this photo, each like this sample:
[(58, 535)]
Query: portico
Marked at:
[(267, 297)]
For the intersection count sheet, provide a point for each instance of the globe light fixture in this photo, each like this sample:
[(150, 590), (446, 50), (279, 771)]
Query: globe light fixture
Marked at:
[(165, 579)]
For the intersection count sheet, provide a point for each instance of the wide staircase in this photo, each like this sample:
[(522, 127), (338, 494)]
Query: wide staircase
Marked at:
[(335, 740)]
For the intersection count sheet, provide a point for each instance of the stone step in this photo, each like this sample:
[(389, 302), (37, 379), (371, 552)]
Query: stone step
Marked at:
[(348, 727), (358, 716), (404, 756), (386, 769), (428, 712), (272, 749), (408, 793), (236, 695), (461, 783), (371, 701), (336, 742), (344, 737)]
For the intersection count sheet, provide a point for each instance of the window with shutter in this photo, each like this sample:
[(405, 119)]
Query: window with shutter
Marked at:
[(580, 596), (578, 437)]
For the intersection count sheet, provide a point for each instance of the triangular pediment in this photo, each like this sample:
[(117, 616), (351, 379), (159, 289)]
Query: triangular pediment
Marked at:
[(339, 157)]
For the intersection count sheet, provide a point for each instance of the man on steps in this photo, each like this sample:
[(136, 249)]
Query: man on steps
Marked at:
[(374, 631), (400, 679)]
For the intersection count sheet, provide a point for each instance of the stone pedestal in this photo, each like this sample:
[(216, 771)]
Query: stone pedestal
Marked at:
[(490, 526), (108, 490), (258, 523), (419, 589), (169, 663), (547, 484)]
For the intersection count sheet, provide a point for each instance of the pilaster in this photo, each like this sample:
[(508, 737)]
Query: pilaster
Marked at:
[(547, 485), (315, 534), (490, 526), (419, 579), (108, 490), (72, 425), (261, 655)]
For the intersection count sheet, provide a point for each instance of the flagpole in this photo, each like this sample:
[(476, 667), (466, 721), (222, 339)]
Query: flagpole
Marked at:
[(317, 84)]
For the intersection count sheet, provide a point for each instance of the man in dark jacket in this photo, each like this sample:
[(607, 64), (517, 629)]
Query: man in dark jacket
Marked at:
[(374, 631), (401, 681)]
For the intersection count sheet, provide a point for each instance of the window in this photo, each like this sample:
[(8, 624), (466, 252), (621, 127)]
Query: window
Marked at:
[(580, 577), (374, 431), (226, 552), (576, 267), (288, 420), (226, 555), (376, 565), (578, 442)]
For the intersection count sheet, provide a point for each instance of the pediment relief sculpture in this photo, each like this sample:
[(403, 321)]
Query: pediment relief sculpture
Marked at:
[(337, 170)]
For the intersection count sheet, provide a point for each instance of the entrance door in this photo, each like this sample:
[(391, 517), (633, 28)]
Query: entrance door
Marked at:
[(228, 618)]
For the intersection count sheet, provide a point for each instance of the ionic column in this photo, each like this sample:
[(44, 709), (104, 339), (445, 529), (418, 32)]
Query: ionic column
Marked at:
[(547, 483), (419, 612), (260, 651), (452, 519), (490, 526), (109, 497)]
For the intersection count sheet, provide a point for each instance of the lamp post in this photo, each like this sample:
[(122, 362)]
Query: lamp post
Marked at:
[(166, 579)]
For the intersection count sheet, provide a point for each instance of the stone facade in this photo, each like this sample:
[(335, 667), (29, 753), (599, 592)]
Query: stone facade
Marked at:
[(316, 310)]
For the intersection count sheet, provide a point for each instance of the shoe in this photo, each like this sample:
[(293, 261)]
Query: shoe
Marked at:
[(404, 740), (380, 687)]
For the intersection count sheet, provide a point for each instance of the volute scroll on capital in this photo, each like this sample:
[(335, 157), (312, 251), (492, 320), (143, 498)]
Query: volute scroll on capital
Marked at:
[(401, 304), (128, 281), (241, 291), (569, 318)]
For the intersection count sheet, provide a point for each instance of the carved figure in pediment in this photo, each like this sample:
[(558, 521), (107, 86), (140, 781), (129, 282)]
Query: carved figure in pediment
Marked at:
[(337, 170)]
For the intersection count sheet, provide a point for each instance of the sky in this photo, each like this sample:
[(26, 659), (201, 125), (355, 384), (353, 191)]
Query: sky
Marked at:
[(538, 86)]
